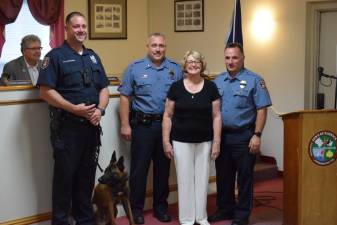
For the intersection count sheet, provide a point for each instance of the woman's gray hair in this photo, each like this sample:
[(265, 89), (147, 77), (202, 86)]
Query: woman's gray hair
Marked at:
[(197, 56)]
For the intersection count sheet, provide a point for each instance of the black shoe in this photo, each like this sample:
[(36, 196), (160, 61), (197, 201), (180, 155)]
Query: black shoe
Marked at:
[(138, 219), (239, 222), (163, 217), (220, 215)]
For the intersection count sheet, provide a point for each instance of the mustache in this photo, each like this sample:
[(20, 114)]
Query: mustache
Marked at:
[(81, 33)]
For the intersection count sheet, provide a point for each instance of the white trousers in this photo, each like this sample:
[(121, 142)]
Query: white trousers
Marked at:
[(192, 166)]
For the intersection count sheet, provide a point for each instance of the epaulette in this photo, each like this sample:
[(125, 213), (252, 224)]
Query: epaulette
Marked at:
[(138, 61), (171, 61), (251, 73), (89, 49), (222, 74), (54, 51), (57, 48)]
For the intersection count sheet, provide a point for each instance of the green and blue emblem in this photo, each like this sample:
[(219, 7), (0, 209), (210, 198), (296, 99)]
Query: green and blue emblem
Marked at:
[(322, 148)]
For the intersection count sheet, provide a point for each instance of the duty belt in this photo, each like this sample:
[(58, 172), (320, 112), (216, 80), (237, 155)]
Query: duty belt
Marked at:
[(238, 129), (140, 116), (74, 118), (61, 114)]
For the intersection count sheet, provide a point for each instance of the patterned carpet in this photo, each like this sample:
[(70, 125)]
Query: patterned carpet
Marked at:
[(268, 206)]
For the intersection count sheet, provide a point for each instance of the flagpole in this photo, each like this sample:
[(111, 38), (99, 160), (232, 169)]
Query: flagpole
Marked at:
[(235, 28), (234, 21)]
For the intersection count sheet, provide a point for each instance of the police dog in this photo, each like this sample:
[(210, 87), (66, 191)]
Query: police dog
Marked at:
[(112, 190)]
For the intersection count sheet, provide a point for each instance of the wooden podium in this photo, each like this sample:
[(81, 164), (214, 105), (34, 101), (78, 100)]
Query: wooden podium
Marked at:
[(310, 190)]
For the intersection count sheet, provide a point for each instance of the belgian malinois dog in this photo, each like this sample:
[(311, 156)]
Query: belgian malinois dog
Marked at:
[(112, 190)]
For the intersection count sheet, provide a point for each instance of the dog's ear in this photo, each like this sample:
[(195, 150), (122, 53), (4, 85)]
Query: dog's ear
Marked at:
[(120, 164), (113, 157)]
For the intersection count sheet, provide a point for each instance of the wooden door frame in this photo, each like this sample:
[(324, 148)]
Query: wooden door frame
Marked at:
[(313, 21)]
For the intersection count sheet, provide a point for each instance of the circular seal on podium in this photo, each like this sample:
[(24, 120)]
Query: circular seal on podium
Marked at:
[(322, 148)]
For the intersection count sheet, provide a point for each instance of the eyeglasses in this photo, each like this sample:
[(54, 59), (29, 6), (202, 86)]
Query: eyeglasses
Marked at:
[(193, 62), (35, 48)]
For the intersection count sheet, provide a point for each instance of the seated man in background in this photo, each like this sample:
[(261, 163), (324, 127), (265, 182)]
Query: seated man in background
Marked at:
[(27, 66)]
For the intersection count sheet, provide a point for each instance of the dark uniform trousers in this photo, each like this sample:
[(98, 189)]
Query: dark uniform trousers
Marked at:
[(235, 159), (146, 145), (75, 144)]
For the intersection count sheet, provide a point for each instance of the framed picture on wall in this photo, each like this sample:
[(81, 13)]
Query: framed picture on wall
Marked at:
[(107, 19), (188, 15)]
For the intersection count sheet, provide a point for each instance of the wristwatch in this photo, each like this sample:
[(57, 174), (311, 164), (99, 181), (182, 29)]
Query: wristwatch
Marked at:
[(257, 134), (102, 111)]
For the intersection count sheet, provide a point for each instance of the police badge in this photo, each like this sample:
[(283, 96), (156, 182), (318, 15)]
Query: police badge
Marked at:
[(93, 59)]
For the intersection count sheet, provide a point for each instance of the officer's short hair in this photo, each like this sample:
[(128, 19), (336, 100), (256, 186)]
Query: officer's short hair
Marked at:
[(235, 45), (156, 34), (197, 56), (71, 15), (27, 40)]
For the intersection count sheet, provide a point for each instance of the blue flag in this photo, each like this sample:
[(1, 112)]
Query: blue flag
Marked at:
[(235, 32)]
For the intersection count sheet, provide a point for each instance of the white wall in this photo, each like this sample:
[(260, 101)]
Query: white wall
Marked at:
[(25, 158)]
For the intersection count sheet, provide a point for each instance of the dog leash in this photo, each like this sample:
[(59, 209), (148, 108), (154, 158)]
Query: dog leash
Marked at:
[(99, 167)]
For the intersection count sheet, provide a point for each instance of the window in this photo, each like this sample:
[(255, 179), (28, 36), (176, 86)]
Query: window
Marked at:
[(23, 25)]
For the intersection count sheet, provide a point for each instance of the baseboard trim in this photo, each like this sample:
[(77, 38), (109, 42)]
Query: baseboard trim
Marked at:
[(29, 220)]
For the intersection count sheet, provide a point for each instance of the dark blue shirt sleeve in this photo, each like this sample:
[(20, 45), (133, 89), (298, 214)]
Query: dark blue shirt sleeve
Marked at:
[(48, 75), (102, 79)]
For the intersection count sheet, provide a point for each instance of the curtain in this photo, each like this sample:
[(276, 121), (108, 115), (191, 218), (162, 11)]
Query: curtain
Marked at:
[(57, 29), (50, 12), (9, 10)]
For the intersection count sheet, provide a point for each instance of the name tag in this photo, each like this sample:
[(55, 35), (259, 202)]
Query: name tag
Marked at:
[(70, 60)]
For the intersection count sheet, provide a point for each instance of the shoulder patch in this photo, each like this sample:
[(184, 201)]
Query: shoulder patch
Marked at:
[(45, 62), (263, 84)]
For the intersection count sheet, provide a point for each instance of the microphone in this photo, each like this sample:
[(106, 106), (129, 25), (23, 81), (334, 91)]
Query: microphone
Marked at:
[(320, 72)]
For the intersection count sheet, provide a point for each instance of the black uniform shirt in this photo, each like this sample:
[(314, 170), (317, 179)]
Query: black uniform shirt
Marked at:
[(78, 78)]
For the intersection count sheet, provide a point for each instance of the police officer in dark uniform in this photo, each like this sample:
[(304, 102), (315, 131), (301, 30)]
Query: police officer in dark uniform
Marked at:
[(145, 85), (73, 82), (244, 102)]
